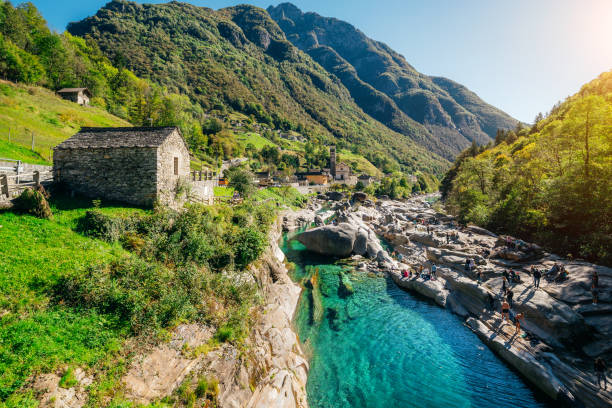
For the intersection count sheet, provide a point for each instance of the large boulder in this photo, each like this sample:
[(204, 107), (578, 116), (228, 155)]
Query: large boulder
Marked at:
[(330, 240), (360, 196), (334, 195), (360, 246)]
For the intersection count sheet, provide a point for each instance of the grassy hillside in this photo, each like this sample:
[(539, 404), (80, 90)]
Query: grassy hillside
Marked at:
[(238, 59), (36, 333), (28, 110), (550, 183)]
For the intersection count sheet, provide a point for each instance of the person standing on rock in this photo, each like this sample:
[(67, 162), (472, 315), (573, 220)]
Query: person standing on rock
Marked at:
[(517, 322), (504, 285), (509, 296), (536, 277), (600, 370), (433, 271), (505, 311), (595, 279), (595, 293), (447, 238)]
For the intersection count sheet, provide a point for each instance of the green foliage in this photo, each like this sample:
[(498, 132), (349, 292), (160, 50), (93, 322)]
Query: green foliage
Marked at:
[(68, 379), (249, 245), (241, 180), (102, 226), (550, 183)]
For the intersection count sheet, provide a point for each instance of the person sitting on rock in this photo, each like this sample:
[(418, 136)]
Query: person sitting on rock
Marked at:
[(600, 370), (553, 271), (405, 273), (563, 275)]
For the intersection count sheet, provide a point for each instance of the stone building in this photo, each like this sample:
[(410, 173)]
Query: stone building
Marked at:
[(76, 95), (134, 165), (339, 171)]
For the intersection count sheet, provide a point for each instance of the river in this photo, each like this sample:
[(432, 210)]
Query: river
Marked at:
[(383, 347)]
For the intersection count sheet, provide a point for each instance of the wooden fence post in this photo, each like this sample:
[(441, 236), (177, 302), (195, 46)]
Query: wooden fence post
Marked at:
[(4, 190)]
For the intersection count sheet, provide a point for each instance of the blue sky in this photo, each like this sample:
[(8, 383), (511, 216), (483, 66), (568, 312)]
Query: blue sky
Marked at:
[(519, 55)]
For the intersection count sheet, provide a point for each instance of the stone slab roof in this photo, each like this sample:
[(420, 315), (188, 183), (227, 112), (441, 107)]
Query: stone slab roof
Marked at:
[(71, 90), (117, 137)]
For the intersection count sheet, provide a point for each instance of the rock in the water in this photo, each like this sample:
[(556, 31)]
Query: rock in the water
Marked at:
[(334, 195), (331, 240)]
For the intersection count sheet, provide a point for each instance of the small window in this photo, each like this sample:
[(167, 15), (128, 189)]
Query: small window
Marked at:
[(176, 166)]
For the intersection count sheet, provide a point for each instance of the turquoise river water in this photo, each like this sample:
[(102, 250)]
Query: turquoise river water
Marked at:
[(382, 347)]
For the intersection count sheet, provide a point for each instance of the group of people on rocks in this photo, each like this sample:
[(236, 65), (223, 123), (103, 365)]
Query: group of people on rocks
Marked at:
[(423, 273)]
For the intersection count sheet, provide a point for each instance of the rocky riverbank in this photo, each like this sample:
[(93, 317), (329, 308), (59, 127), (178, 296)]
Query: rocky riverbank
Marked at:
[(565, 332), (271, 372)]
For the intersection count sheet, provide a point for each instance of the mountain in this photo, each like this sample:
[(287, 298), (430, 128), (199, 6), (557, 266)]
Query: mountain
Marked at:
[(448, 116), (239, 59), (549, 183)]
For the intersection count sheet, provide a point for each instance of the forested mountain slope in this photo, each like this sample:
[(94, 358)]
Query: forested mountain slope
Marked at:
[(437, 113), (239, 59), (551, 183)]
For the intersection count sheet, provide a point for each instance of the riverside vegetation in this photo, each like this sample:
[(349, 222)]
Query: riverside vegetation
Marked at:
[(549, 183), (76, 288)]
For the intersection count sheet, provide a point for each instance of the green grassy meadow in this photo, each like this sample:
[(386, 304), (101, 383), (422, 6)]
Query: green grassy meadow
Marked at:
[(38, 334), (27, 110)]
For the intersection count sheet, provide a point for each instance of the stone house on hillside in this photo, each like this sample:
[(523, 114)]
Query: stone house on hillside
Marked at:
[(134, 165), (76, 95)]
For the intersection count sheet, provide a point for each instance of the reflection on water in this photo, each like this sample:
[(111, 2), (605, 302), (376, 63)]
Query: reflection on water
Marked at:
[(383, 347)]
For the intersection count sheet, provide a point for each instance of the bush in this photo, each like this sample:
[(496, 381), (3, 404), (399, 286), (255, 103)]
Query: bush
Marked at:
[(34, 202), (143, 295), (98, 225), (249, 245)]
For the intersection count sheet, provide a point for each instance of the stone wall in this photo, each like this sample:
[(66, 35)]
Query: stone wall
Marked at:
[(123, 174), (173, 147)]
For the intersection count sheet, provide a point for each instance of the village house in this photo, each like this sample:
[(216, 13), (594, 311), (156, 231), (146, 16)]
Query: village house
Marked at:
[(314, 177), (76, 95), (365, 179), (139, 166)]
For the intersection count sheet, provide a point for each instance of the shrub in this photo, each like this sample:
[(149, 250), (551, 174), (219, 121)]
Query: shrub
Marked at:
[(249, 245), (98, 225), (34, 202)]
